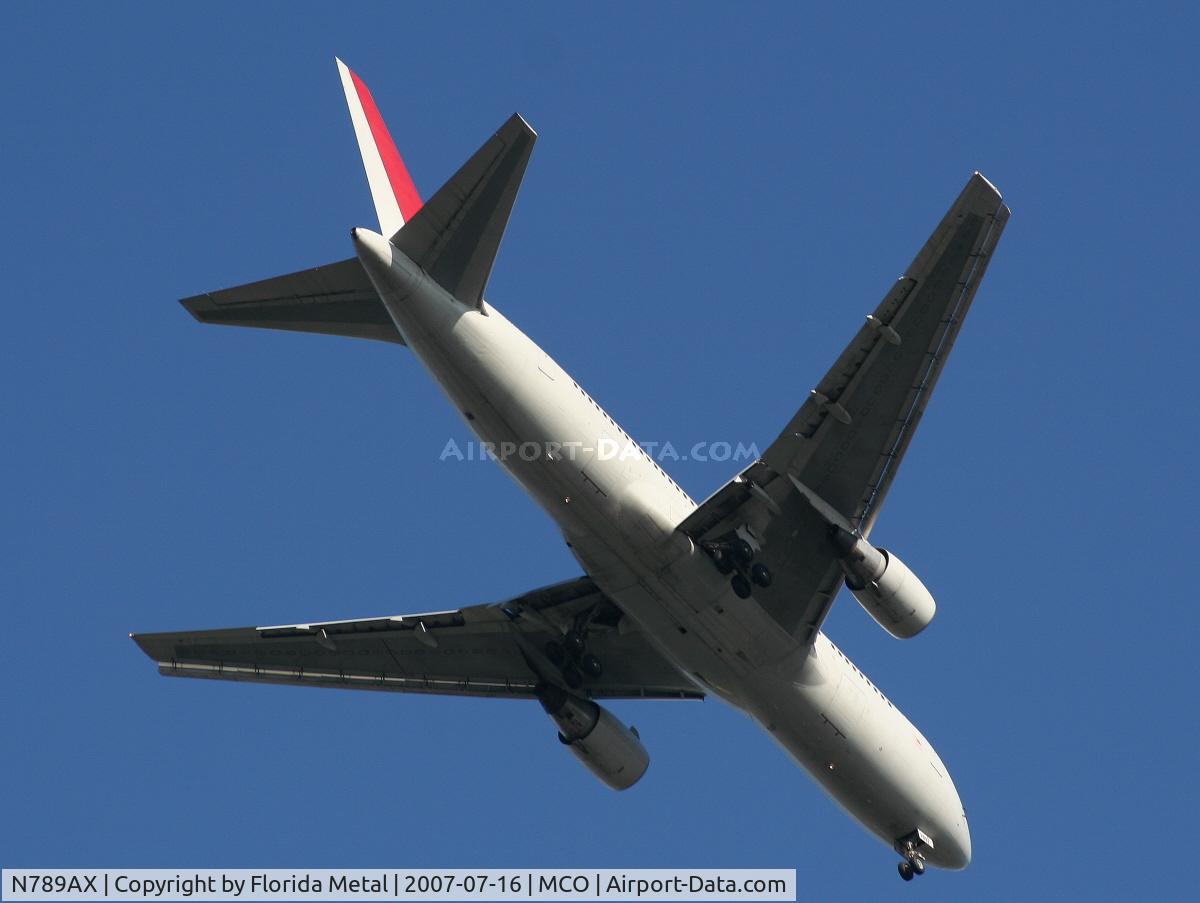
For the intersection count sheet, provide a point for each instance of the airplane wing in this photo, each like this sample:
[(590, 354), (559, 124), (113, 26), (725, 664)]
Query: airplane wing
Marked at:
[(837, 457), (335, 299), (481, 650)]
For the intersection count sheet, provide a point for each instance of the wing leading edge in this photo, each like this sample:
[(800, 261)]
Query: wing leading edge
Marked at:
[(837, 457), (481, 650)]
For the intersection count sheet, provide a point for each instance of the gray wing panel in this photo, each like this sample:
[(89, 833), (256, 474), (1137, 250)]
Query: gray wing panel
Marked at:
[(335, 299), (794, 545), (837, 457), (846, 441), (482, 650)]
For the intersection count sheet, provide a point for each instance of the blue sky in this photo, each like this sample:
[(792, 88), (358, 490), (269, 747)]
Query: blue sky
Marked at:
[(717, 197)]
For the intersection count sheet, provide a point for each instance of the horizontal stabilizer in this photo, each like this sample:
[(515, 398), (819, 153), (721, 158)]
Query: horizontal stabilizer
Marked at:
[(455, 236), (335, 299)]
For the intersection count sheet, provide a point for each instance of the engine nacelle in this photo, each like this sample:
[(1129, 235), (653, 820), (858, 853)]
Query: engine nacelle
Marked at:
[(610, 750), (886, 588)]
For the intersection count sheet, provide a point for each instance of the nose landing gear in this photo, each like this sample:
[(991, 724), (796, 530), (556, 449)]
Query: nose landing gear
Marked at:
[(910, 867), (912, 847)]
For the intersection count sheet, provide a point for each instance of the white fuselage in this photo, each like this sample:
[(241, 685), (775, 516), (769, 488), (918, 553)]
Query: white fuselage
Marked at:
[(618, 511)]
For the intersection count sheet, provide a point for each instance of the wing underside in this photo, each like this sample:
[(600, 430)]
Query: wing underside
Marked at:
[(835, 460), (846, 441), (481, 650)]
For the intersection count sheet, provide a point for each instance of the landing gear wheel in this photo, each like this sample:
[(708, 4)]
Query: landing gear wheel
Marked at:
[(741, 586), (574, 644), (906, 871), (723, 562), (760, 575), (556, 653), (918, 866), (572, 676), (590, 665), (743, 552)]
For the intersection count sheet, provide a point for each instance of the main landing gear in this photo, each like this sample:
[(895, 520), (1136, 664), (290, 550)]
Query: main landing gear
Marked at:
[(571, 657), (733, 555)]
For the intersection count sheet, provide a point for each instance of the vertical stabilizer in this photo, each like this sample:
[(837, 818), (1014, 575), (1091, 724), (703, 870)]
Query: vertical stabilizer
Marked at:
[(392, 190)]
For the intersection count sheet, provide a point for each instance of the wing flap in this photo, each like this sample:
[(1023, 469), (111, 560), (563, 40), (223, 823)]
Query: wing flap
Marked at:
[(356, 680), (334, 299)]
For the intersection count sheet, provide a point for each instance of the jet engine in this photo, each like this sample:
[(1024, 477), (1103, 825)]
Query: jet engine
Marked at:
[(609, 750), (885, 587)]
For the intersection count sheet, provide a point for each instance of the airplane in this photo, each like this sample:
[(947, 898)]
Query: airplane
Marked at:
[(678, 600)]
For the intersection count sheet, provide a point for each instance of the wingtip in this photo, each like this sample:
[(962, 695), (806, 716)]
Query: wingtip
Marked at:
[(986, 181), (192, 306), (524, 122)]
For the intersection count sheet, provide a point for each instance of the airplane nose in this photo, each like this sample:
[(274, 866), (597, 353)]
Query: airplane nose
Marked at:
[(951, 835), (959, 852)]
